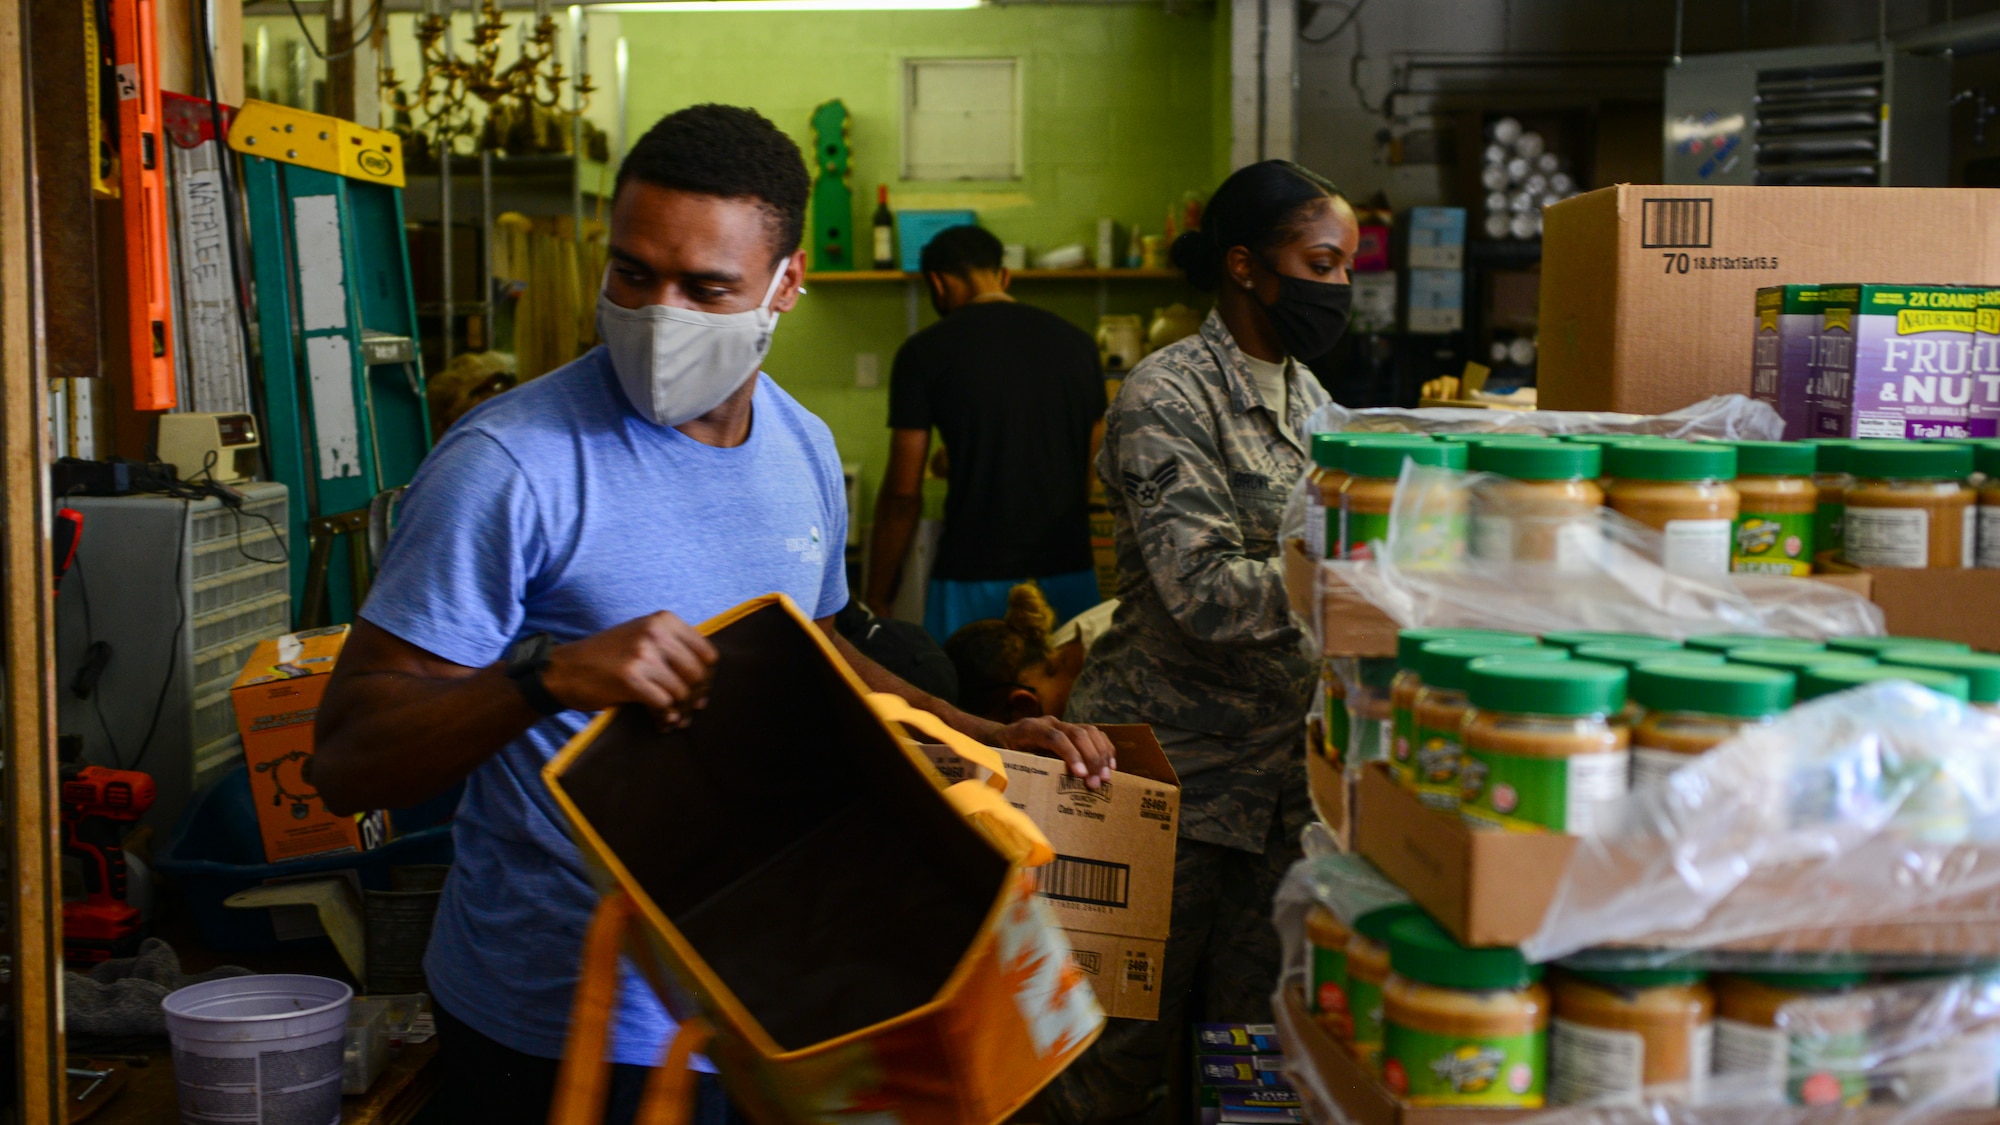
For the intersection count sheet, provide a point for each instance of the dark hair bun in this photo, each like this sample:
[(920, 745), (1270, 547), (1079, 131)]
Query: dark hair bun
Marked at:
[(1198, 258)]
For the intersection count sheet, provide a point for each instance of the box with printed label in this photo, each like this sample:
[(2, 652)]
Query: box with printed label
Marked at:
[(1437, 301), (1371, 250), (277, 701), (1437, 238), (1901, 361), (1782, 356), (1640, 283), (1374, 302), (1237, 1039), (1112, 882)]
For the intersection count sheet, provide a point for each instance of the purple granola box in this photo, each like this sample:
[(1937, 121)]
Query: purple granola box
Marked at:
[(1986, 366), (1899, 361), (1781, 366)]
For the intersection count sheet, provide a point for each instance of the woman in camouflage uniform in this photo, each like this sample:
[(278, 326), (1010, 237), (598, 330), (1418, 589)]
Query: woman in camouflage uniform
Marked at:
[(1203, 445)]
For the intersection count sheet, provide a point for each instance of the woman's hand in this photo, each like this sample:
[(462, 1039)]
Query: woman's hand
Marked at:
[(1088, 752)]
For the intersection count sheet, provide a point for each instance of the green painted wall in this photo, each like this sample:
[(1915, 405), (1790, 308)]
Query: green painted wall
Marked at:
[(1120, 118)]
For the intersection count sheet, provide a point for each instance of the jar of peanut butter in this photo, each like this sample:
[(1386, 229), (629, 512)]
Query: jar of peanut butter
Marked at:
[(1462, 1026), (1540, 751), (1367, 972), (1831, 478), (1622, 1037), (1409, 678), (1683, 490), (1323, 496), (1374, 469), (1869, 646), (1326, 972), (1797, 661), (1724, 642), (1774, 526), (1815, 1055), (1440, 709), (1628, 658), (1543, 509), (1828, 679), (1690, 711), (1577, 638), (1330, 726), (1369, 710), (1981, 670), (1910, 506), (1986, 459)]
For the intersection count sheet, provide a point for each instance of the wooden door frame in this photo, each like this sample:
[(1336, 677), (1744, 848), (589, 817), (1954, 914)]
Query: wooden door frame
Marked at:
[(27, 626)]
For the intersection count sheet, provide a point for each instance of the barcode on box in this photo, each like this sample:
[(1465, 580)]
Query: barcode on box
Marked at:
[(1681, 224), (1075, 879)]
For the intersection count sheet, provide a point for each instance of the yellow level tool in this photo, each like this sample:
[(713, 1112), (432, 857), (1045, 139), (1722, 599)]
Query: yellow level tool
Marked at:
[(314, 140)]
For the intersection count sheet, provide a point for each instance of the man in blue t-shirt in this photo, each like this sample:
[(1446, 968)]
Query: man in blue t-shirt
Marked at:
[(548, 559)]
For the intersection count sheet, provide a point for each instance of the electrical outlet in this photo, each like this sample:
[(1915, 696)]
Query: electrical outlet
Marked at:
[(867, 370)]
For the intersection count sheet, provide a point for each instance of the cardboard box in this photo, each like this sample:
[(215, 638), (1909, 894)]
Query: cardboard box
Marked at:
[(1350, 625), (1643, 287), (1237, 1039), (1112, 883), (1374, 302), (1900, 361), (1493, 888), (1437, 238), (1371, 251), (1362, 1098), (277, 700), (1951, 605), (1437, 302)]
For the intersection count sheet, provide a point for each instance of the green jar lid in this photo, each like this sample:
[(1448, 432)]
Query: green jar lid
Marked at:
[(1632, 656), (1986, 458), (1420, 950), (1327, 449), (1670, 460), (1638, 978), (1579, 637), (1908, 460), (1832, 454), (1832, 980), (1409, 642), (1981, 670), (1742, 691), (1723, 642), (1384, 458), (1830, 678), (1569, 687), (1873, 645), (1610, 439), (1443, 664), (1796, 659), (1531, 459), (1376, 924), (1471, 437), (1775, 459)]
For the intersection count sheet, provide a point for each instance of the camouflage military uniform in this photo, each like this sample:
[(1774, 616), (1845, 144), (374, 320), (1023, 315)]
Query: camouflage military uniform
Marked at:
[(1204, 648)]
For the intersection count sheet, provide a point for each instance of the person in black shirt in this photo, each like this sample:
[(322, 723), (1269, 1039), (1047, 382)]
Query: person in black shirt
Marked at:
[(1017, 395)]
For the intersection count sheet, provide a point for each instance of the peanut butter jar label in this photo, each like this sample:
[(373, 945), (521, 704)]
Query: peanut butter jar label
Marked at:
[(1773, 543), (1434, 767), (1402, 745), (1364, 1007), (1574, 794), (1326, 994), (1426, 1069)]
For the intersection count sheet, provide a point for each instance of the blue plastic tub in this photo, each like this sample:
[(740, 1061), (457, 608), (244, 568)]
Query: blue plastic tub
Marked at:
[(217, 851)]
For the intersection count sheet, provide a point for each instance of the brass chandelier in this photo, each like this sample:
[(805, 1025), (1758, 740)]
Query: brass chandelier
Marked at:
[(451, 82)]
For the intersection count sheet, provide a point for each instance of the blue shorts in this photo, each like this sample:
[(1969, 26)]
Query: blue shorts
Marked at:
[(950, 606)]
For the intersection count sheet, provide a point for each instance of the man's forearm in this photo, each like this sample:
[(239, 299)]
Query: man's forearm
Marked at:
[(896, 519), (881, 679), (406, 738)]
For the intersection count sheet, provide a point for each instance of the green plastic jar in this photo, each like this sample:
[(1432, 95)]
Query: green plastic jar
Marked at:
[(1981, 670), (1723, 642), (1986, 459), (1819, 1061), (1690, 711), (1580, 637), (1774, 526), (1682, 490), (1440, 709), (1626, 1035), (1328, 477), (1831, 478), (1462, 1026), (1830, 678), (1544, 508), (1409, 678), (1373, 469), (1367, 970), (1541, 751), (1910, 507), (1872, 645), (1630, 657)]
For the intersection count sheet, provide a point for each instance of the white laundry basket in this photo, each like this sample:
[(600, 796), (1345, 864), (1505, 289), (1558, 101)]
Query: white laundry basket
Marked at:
[(259, 1048)]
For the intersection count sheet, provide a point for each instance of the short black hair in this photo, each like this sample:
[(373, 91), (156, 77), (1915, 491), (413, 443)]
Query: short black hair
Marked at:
[(727, 151), (961, 250)]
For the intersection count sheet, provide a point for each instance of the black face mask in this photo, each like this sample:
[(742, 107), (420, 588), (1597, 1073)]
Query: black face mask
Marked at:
[(1309, 317)]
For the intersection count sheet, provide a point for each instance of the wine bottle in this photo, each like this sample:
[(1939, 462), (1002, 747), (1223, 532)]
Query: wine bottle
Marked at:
[(885, 228)]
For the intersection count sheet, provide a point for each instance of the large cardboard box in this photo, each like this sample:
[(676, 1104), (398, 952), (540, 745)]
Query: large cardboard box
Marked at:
[(1647, 292), (1112, 882), (277, 701), (1951, 605), (1349, 624)]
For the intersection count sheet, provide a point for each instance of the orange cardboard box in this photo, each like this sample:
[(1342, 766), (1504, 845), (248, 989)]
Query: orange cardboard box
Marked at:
[(277, 699)]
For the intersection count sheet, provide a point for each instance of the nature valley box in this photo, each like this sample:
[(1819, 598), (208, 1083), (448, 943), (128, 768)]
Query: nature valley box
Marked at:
[(1112, 883), (277, 701), (1901, 361), (1781, 358)]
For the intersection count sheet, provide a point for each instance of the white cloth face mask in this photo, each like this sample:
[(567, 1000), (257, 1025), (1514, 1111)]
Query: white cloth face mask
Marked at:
[(678, 364)]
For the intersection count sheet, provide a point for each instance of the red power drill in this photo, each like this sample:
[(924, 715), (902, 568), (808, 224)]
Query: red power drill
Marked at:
[(96, 805)]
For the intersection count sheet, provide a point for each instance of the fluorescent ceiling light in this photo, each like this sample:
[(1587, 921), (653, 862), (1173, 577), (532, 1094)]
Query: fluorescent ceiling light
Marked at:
[(789, 5)]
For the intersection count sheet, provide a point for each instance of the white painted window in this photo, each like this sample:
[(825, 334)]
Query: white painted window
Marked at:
[(961, 119)]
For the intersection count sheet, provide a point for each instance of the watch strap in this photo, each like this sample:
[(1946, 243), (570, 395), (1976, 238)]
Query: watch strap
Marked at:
[(525, 663)]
